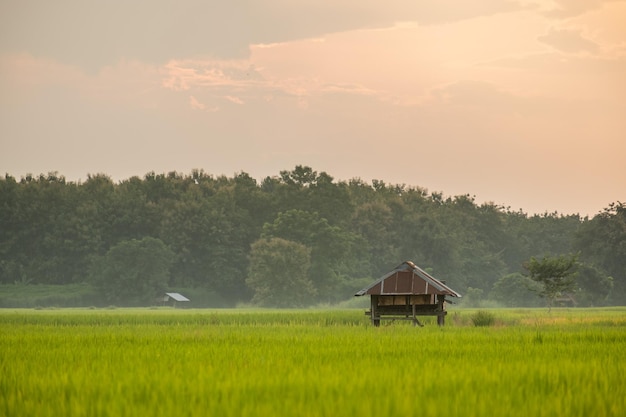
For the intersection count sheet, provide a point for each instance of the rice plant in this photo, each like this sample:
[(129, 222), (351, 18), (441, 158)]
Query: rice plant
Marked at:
[(309, 363)]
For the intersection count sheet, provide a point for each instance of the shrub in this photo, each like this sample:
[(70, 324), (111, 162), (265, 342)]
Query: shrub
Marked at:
[(483, 319)]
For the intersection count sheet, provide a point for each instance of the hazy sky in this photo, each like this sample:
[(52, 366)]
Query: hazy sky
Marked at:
[(520, 103)]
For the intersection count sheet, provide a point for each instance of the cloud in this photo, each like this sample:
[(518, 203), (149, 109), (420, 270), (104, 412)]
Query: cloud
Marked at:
[(128, 82), (234, 100), (95, 34), (348, 89), (195, 104), (241, 81), (92, 35), (181, 75), (470, 92), (571, 8), (569, 41), (479, 94), (551, 63)]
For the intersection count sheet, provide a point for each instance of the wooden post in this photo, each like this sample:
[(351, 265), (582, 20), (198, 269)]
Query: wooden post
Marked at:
[(374, 310), (441, 310)]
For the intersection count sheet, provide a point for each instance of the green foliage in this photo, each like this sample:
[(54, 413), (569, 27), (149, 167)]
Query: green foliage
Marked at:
[(51, 230), (42, 295), (133, 271), (516, 290), (279, 273), (331, 249), (602, 243), (483, 318), (555, 274), (594, 287)]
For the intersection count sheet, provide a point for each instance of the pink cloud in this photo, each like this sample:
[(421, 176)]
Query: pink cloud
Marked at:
[(195, 104), (235, 100)]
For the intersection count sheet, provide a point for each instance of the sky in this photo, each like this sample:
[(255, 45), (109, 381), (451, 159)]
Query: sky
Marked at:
[(518, 103)]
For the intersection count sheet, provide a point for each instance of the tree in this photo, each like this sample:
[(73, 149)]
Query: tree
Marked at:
[(374, 223), (133, 271), (302, 176), (278, 273), (594, 286), (203, 238), (602, 243), (332, 249), (513, 291), (52, 229), (555, 274)]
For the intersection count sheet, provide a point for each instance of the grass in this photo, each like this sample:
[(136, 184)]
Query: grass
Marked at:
[(483, 318), (132, 362)]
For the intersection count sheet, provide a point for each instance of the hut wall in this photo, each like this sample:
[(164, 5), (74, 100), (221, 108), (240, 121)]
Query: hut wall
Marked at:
[(402, 300)]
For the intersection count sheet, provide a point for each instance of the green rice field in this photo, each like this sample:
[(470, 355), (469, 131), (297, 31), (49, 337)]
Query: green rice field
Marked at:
[(136, 362)]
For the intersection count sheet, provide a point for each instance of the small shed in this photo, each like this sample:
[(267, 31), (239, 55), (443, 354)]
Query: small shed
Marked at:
[(405, 293), (174, 296)]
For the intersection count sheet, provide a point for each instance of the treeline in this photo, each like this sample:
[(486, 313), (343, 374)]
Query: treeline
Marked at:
[(241, 239)]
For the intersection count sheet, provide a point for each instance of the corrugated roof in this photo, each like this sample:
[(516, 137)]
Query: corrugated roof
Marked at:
[(176, 296), (408, 279)]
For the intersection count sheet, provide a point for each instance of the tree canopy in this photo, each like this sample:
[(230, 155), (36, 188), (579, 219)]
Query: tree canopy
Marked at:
[(53, 231), (133, 271), (279, 273), (555, 274)]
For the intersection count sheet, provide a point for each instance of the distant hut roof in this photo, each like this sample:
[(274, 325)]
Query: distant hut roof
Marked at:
[(408, 279), (176, 296)]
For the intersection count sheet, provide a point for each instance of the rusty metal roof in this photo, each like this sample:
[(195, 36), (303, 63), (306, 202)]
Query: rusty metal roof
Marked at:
[(407, 279)]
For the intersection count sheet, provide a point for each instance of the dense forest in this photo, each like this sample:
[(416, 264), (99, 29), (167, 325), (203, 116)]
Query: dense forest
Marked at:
[(295, 239)]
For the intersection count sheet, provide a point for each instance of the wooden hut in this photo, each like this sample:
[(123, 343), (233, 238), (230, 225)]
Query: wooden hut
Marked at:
[(405, 293)]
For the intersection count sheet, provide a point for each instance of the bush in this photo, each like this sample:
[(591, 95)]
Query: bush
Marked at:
[(483, 319)]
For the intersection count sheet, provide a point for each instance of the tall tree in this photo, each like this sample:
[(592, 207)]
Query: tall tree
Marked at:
[(594, 286), (332, 249), (133, 271), (279, 275), (374, 223), (555, 274), (513, 291), (12, 225), (602, 243)]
